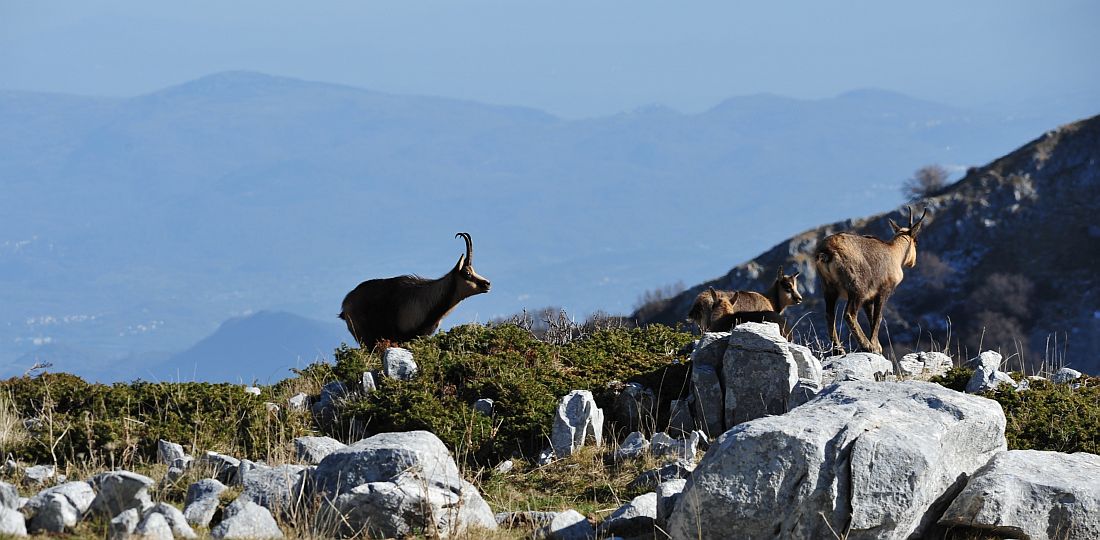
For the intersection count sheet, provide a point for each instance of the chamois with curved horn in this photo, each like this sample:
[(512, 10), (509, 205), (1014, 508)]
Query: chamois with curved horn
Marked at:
[(865, 271), (717, 311), (404, 307)]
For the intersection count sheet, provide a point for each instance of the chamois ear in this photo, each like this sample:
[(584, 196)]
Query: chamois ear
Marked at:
[(796, 274), (894, 226), (461, 262), (713, 293)]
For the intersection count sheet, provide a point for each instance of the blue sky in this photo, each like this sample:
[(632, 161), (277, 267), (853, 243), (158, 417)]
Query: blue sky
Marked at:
[(571, 58)]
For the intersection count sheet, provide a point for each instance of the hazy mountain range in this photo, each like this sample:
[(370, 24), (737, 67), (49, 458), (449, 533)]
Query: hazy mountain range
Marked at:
[(131, 229)]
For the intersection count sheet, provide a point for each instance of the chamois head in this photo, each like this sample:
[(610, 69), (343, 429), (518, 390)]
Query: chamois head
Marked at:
[(786, 290), (911, 233), (469, 282)]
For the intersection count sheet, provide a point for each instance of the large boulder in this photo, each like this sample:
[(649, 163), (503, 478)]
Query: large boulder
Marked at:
[(392, 483), (758, 373), (877, 460), (1032, 494), (578, 420)]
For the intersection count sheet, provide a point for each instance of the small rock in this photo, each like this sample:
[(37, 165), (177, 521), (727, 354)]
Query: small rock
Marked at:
[(668, 493), (276, 488), (633, 446), (119, 491), (123, 525), (367, 385), (568, 525), (545, 457), (177, 523), (1065, 375), (168, 452), (12, 522), (859, 366), (225, 467), (984, 381), (54, 514), (654, 477), (314, 449), (38, 474), (253, 390), (9, 496), (504, 467), (331, 394), (925, 364), (271, 407), (484, 406), (246, 520), (988, 361), (664, 445), (634, 518), (202, 501), (578, 419), (397, 363), (298, 402), (154, 527)]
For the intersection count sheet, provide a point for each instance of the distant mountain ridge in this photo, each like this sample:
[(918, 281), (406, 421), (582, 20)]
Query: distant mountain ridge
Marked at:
[(164, 214), (1007, 260)]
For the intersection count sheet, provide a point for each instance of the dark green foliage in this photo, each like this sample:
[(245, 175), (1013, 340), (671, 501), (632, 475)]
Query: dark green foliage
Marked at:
[(524, 376), (1051, 416), (1046, 416), (955, 378), (117, 424)]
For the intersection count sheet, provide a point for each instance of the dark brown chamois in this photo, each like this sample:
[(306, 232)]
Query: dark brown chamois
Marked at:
[(865, 271), (717, 311), (404, 307)]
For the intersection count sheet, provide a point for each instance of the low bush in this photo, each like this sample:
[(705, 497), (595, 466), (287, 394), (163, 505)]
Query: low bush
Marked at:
[(1046, 416)]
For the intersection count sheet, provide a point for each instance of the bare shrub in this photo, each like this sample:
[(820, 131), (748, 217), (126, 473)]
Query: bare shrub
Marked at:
[(925, 182)]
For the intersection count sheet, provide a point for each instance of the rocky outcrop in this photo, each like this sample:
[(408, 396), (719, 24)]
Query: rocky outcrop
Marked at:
[(878, 460), (1032, 494), (246, 520)]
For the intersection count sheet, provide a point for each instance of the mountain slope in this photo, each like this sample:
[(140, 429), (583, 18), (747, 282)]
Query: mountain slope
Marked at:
[(1007, 260)]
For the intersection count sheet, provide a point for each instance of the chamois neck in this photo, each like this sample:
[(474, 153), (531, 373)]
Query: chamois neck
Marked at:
[(772, 294), (899, 248)]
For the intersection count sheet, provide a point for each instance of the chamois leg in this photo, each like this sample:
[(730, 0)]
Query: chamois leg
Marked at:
[(830, 318), (851, 316), (879, 303)]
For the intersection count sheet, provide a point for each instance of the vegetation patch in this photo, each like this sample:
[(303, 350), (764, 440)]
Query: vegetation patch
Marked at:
[(1046, 416)]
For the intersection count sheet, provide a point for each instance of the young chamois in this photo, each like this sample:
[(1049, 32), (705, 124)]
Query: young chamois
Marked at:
[(718, 311), (865, 271), (404, 307)]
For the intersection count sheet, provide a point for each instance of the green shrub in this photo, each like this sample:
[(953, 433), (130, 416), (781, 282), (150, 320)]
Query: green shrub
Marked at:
[(73, 420), (1046, 416), (524, 376)]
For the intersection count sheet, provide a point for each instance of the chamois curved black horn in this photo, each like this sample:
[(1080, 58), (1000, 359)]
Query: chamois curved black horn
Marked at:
[(922, 214), (469, 247), (910, 209)]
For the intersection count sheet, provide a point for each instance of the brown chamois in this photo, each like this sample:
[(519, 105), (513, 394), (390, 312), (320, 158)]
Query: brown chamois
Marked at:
[(717, 311), (865, 271), (404, 307)]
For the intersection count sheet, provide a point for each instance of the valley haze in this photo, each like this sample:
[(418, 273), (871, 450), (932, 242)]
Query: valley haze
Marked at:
[(150, 237)]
